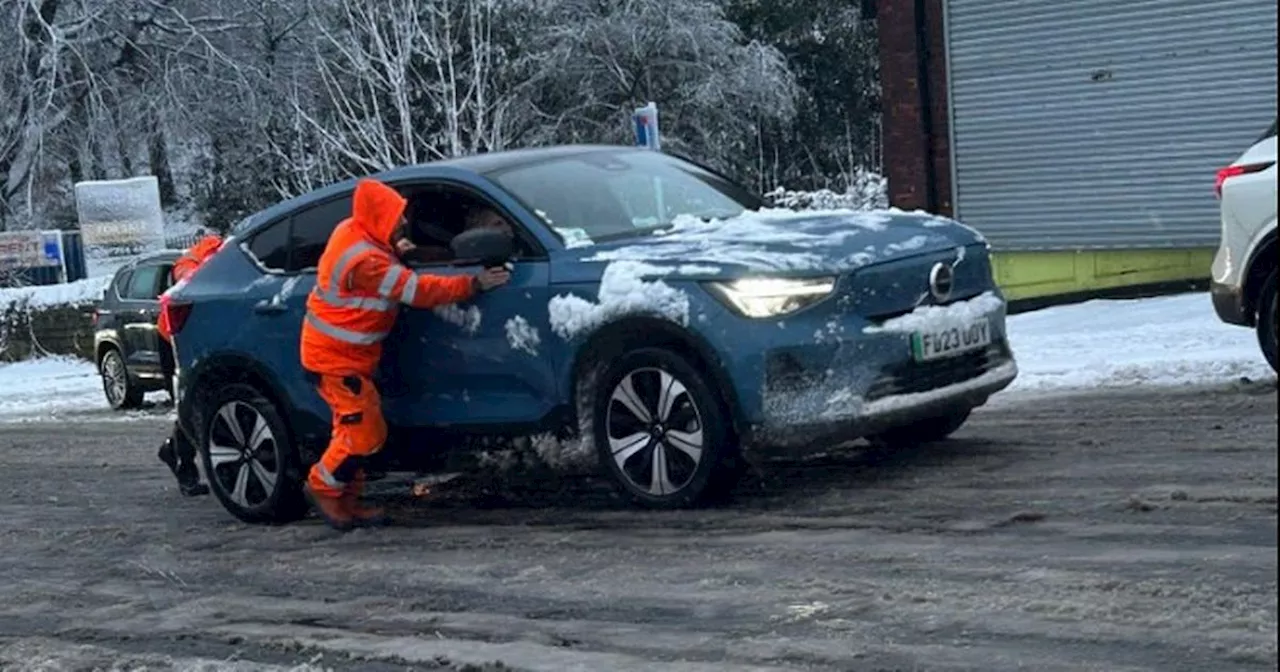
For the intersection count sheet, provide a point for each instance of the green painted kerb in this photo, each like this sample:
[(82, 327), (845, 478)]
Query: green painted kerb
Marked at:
[(1030, 275)]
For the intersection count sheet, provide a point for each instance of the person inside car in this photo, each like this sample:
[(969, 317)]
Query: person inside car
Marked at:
[(477, 218), (360, 285)]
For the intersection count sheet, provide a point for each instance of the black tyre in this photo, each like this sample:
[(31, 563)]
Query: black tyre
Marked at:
[(661, 433), (931, 430), (121, 390), (249, 457), (1267, 320)]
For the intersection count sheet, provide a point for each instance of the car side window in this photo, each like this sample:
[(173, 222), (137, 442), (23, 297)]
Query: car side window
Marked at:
[(270, 246), (122, 284), (437, 212), (311, 231), (144, 283), (166, 277)]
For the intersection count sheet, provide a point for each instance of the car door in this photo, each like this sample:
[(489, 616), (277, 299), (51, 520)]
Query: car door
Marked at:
[(137, 314), (479, 362), (288, 251)]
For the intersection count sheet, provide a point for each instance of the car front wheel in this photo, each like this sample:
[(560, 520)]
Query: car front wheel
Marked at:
[(249, 459), (660, 431), (1268, 323), (921, 432), (121, 391)]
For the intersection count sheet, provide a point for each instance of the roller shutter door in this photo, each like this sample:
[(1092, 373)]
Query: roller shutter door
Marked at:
[(1099, 124)]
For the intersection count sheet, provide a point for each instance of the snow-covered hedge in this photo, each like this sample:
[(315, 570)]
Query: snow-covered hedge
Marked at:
[(48, 319), (868, 191)]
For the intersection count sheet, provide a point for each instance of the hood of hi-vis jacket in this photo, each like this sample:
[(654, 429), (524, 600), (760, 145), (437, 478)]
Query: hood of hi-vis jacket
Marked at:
[(375, 211)]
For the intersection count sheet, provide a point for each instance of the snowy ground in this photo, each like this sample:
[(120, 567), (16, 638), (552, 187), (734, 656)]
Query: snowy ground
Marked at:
[(1111, 531), (1164, 342)]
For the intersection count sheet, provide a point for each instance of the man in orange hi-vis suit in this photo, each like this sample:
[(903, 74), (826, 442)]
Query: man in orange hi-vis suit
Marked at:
[(177, 452), (360, 284)]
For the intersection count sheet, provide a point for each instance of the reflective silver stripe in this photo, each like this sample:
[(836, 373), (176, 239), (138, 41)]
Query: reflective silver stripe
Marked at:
[(362, 302), (389, 280), (344, 335), (328, 478), (335, 276), (331, 295), (410, 289)]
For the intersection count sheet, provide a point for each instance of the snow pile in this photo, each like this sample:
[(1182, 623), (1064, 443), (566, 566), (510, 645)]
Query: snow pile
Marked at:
[(48, 386), (522, 336), (1165, 341), (78, 293), (867, 191), (775, 239), (938, 318), (623, 291), (468, 320)]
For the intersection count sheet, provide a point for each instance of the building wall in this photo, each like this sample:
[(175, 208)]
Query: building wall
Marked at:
[(913, 81), (913, 52)]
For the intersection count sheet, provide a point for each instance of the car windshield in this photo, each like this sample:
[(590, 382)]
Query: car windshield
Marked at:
[(605, 195)]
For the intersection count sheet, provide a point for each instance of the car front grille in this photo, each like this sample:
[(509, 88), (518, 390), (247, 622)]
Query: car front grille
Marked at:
[(913, 377)]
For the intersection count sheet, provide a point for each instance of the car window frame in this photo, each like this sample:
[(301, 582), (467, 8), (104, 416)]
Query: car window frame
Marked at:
[(159, 265), (123, 276), (287, 220), (538, 251), (293, 218)]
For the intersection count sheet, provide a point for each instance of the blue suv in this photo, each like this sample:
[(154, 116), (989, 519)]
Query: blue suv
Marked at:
[(662, 324)]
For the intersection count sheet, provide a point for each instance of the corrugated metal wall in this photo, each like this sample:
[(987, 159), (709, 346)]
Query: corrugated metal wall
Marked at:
[(1100, 124)]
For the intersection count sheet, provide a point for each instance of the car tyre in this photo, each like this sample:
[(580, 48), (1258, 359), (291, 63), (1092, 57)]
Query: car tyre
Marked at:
[(249, 458), (121, 390), (1267, 320), (661, 432), (921, 432)]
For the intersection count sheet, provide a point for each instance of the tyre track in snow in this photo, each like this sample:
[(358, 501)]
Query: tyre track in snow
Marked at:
[(1121, 531)]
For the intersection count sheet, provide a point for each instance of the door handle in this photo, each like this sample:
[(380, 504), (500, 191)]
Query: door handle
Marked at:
[(266, 307)]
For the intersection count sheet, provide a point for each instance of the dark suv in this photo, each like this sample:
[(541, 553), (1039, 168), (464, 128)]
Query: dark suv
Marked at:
[(132, 358)]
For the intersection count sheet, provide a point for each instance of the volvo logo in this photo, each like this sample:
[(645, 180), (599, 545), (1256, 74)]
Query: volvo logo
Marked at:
[(941, 281)]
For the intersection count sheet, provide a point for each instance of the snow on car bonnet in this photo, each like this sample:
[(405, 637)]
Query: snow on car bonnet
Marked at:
[(956, 314), (771, 238), (622, 291)]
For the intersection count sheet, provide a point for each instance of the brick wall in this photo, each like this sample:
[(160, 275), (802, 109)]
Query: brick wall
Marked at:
[(913, 82), (59, 330)]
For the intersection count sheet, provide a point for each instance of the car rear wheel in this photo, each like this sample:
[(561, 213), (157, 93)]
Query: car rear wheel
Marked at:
[(1268, 324), (921, 432), (660, 431), (122, 392), (249, 458)]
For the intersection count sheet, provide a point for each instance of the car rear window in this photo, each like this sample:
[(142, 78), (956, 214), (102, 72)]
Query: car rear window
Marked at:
[(1270, 132)]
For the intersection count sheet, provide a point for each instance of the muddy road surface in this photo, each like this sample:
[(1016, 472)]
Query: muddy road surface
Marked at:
[(1115, 532)]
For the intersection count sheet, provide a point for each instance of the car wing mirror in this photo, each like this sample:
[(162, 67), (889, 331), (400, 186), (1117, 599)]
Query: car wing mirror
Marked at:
[(491, 248)]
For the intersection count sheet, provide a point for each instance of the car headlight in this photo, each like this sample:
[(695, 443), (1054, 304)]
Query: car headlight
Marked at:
[(772, 297)]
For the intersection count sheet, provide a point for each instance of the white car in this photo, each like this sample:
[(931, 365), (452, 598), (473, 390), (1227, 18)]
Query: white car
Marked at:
[(1244, 270)]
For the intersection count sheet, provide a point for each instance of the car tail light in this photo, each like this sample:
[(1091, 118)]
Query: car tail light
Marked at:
[(94, 319), (177, 314), (1236, 171)]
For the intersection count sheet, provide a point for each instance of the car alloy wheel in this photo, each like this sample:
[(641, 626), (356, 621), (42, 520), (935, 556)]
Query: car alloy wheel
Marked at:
[(113, 378), (654, 431), (243, 454), (119, 391)]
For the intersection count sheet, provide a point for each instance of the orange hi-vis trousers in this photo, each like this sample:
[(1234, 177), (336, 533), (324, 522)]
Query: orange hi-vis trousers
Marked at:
[(358, 432)]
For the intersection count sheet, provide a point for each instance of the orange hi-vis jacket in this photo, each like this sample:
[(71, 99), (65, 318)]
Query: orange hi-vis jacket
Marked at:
[(182, 269), (360, 285)]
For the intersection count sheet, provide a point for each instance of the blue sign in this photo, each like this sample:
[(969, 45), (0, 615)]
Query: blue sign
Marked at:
[(645, 120), (52, 244)]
